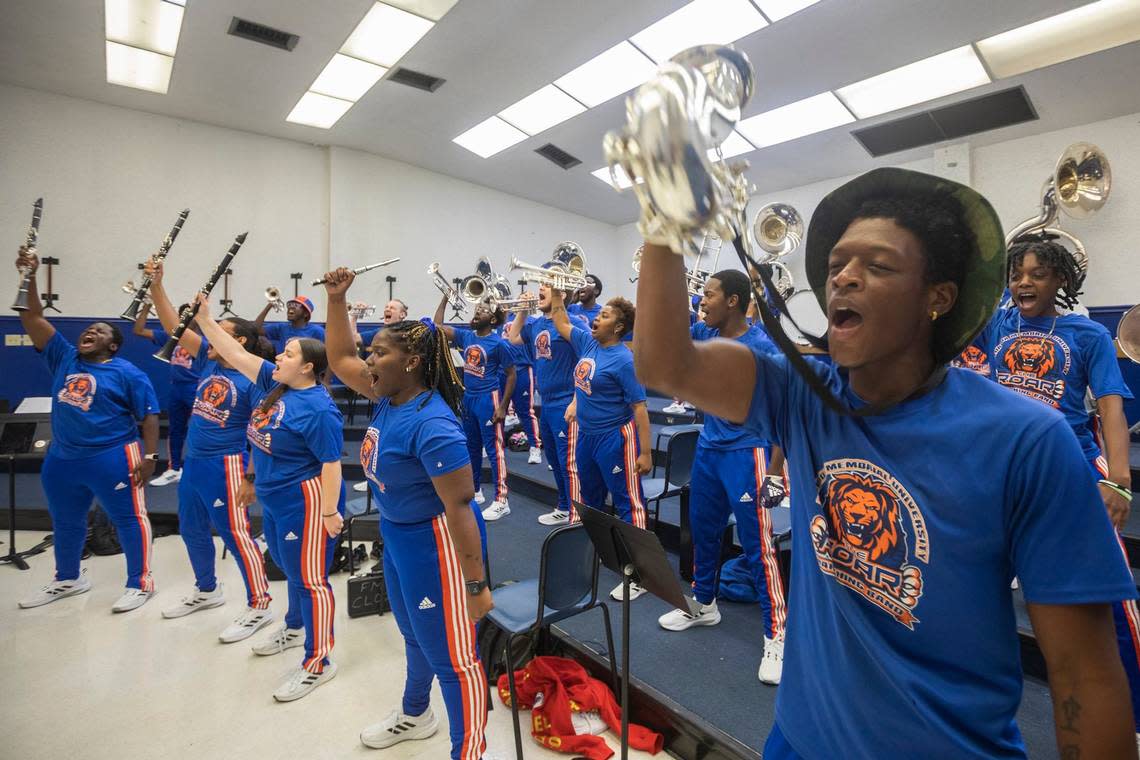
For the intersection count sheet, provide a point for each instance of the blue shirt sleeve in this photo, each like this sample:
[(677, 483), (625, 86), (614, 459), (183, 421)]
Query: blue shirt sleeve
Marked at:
[(142, 397), (265, 379), (632, 392), (324, 433), (506, 356), (1063, 546), (1105, 378), (273, 330), (57, 351), (768, 411), (441, 447), (580, 339), (158, 336), (463, 337), (318, 332)]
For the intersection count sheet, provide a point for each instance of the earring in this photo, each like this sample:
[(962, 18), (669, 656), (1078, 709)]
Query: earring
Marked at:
[(934, 316), (407, 369)]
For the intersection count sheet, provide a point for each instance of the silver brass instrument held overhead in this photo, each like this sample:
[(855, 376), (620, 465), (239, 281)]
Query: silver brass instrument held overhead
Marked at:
[(1080, 185), (273, 296), (566, 270), (164, 353), (21, 302), (445, 287), (673, 121), (141, 295), (636, 263), (361, 270), (360, 310)]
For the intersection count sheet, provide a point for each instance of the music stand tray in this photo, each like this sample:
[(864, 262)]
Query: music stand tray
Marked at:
[(637, 555)]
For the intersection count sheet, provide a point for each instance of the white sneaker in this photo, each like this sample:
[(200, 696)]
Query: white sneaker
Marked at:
[(132, 599), (675, 408), (497, 510), (535, 456), (680, 620), (479, 497), (772, 666), (511, 420), (57, 590), (360, 487), (247, 624), (557, 517), (166, 478), (397, 727), (278, 640), (634, 592), (300, 682), (199, 600)]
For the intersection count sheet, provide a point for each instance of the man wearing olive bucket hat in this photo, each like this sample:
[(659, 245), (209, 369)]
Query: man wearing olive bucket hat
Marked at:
[(932, 491)]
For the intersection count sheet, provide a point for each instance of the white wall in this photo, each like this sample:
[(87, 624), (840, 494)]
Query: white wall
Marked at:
[(113, 181)]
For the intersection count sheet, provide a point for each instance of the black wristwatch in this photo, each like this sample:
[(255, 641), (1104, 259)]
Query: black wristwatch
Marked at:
[(249, 477), (474, 588)]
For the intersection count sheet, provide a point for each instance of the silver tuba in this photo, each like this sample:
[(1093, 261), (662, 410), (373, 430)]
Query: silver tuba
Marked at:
[(673, 121), (566, 270), (778, 229), (1079, 186), (273, 296), (484, 286), (445, 287)]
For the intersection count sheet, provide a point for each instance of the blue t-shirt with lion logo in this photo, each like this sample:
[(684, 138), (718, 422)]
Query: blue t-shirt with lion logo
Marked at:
[(901, 639)]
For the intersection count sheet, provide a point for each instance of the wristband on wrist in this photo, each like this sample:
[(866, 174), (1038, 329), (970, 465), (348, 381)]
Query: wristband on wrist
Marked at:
[(1123, 492)]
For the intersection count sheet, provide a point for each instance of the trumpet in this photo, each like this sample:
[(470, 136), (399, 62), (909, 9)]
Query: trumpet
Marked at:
[(360, 310), (21, 302), (445, 287), (143, 292), (565, 271), (273, 295), (778, 230)]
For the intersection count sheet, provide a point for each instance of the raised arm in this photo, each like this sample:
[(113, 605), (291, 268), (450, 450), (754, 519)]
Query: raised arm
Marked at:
[(167, 314), (455, 490), (717, 376), (340, 343), (227, 347), (438, 319), (259, 320), (1114, 428), (139, 328), (38, 328), (1091, 704), (514, 329), (559, 315)]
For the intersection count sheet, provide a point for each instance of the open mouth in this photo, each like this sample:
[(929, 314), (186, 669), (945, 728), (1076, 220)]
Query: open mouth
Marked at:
[(845, 318), (375, 378), (1026, 299), (86, 340)]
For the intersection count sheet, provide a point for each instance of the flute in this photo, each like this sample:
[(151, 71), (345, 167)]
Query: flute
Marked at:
[(21, 302), (362, 270), (167, 350), (132, 311)]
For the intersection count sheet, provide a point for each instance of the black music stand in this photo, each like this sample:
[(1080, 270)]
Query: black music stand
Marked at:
[(17, 442), (391, 280), (50, 297), (296, 277), (637, 555), (456, 313)]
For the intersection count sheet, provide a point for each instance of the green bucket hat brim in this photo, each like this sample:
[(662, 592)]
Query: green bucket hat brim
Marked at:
[(985, 277)]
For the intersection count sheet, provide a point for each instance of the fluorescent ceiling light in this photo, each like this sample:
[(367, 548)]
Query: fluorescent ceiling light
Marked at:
[(141, 69), (431, 9), (778, 9), (488, 137), (618, 70), (623, 182), (316, 110), (701, 22), (347, 78), (148, 24), (385, 34), (1079, 32), (542, 110), (804, 117), (943, 74), (734, 145)]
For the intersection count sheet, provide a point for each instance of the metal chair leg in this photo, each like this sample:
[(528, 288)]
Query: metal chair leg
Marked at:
[(514, 698), (610, 644)]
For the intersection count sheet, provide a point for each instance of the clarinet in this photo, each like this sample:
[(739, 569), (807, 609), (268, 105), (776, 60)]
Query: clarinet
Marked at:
[(21, 302), (132, 311), (167, 350)]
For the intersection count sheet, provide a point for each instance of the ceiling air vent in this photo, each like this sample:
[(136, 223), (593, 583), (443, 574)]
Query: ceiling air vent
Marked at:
[(993, 111), (417, 79), (558, 156), (266, 35)]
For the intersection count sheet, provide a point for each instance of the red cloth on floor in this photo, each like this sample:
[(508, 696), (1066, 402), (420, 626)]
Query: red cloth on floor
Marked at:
[(565, 688)]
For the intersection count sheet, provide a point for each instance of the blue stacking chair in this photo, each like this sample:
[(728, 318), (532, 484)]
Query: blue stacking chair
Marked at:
[(567, 585), (680, 453)]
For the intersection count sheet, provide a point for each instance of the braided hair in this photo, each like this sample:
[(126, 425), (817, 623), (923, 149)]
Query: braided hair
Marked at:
[(1055, 256), (423, 339)]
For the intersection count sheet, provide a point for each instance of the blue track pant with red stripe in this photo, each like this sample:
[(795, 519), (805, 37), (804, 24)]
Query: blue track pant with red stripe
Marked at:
[(300, 546), (523, 402), (429, 600), (606, 461), (207, 498), (71, 484), (724, 483), (556, 446), (483, 435)]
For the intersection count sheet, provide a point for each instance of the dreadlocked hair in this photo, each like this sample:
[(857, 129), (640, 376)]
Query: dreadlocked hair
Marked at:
[(1056, 257), (430, 344)]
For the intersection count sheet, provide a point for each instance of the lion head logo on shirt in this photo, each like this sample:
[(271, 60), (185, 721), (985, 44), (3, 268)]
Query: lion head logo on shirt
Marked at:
[(1034, 364), (974, 359), (181, 358), (215, 400), (369, 453), (475, 361), (869, 536), (583, 374), (262, 422), (542, 345), (78, 390)]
